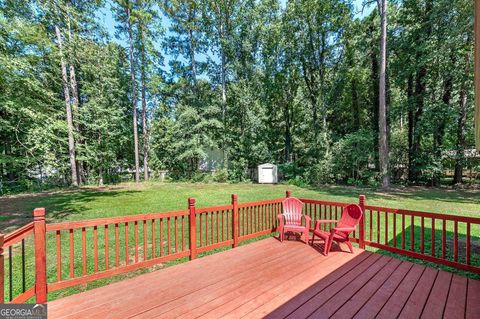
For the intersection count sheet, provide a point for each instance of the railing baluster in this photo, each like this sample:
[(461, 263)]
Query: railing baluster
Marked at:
[(422, 234), (135, 236), (378, 226), (105, 235), (245, 221), (395, 230), (403, 231), (455, 241), (59, 256), (433, 237), (154, 253), (223, 225), (250, 219), (467, 248), (84, 251), (324, 215), (386, 228), (95, 249), (218, 224), (168, 234), (256, 220), (144, 239), (127, 254), (160, 235), (10, 273), (117, 254), (72, 262), (212, 223), (412, 233), (176, 234), (183, 233), (23, 266), (201, 229), (444, 238), (371, 224), (265, 219)]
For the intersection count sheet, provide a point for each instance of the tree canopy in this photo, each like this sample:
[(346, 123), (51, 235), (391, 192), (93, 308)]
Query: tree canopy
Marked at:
[(235, 83)]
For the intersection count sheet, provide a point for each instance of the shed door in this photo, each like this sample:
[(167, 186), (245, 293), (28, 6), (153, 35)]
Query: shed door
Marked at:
[(267, 174)]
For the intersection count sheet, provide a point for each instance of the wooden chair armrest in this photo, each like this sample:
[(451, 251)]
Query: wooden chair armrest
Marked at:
[(344, 229), (323, 221)]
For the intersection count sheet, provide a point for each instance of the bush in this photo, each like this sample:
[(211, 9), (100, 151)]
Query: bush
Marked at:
[(238, 170), (320, 173), (220, 176), (347, 162), (290, 171), (351, 157)]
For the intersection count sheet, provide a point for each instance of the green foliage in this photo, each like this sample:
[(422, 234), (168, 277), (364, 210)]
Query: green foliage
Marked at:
[(247, 82), (351, 156)]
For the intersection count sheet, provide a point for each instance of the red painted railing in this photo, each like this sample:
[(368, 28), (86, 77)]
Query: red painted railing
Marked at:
[(74, 253), (14, 245)]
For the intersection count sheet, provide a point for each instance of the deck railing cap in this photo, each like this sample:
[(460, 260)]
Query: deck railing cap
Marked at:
[(39, 213)]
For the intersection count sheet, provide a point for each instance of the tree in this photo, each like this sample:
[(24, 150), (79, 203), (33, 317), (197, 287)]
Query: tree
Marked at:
[(382, 112), (148, 31), (124, 15), (68, 107)]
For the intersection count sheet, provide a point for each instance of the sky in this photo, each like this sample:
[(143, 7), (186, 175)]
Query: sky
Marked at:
[(105, 17)]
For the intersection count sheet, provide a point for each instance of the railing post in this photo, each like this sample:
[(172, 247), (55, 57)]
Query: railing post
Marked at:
[(235, 220), (193, 228), (2, 270), (361, 239), (39, 231), (288, 193)]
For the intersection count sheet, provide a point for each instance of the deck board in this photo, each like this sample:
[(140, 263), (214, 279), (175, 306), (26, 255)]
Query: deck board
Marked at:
[(281, 280)]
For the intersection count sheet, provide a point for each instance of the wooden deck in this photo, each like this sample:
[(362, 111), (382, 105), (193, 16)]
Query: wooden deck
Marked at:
[(281, 280)]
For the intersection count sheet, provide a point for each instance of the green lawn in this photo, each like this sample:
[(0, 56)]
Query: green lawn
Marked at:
[(127, 199)]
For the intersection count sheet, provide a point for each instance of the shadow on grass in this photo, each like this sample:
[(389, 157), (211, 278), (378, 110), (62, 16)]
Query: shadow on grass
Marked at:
[(17, 211), (433, 246), (414, 192)]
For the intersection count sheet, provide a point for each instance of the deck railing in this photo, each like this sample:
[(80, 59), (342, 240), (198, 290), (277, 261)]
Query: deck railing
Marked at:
[(69, 254)]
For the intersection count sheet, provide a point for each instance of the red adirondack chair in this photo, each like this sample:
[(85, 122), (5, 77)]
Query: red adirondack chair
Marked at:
[(350, 218), (291, 219)]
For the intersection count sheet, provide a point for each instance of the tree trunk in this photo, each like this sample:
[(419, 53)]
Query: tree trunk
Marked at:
[(224, 89), (75, 98), (71, 138), (411, 128), (461, 121), (134, 95), (382, 111), (374, 80), (287, 133), (354, 93), (192, 58), (439, 132), (144, 111)]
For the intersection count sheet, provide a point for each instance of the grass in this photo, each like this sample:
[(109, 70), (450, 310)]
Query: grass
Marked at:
[(128, 199)]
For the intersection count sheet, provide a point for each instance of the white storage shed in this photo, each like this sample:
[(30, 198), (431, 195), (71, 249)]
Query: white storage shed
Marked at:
[(267, 173)]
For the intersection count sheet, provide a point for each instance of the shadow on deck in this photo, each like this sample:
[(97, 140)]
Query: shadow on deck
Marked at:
[(278, 280)]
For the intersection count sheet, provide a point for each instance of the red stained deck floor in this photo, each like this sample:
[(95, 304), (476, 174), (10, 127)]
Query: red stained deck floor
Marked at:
[(281, 280)]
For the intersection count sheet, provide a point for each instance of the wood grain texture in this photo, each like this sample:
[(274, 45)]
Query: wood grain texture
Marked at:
[(279, 280)]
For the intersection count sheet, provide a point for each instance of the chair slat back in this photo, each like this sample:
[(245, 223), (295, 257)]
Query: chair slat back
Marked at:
[(350, 217), (292, 211)]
